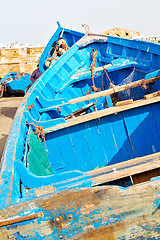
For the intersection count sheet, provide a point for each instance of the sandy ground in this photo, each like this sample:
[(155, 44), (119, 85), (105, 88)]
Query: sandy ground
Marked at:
[(8, 107)]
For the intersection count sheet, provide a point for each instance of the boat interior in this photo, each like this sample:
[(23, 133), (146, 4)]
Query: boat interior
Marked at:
[(94, 119)]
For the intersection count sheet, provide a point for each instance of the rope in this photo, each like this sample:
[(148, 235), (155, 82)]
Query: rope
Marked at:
[(94, 54), (39, 131), (92, 67), (111, 84)]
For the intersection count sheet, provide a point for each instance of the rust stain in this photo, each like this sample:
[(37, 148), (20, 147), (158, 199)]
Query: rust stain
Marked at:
[(61, 221), (110, 232)]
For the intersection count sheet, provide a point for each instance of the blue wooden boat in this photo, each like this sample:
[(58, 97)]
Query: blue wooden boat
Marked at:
[(70, 36), (15, 83), (82, 159)]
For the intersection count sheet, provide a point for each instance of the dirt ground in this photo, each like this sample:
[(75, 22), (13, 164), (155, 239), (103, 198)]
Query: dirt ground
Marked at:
[(8, 107)]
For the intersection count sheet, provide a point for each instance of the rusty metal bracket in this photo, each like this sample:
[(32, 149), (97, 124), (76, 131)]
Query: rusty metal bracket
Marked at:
[(30, 106)]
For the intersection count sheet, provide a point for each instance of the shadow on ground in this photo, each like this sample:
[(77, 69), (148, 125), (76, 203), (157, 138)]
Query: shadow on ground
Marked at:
[(9, 111), (3, 140)]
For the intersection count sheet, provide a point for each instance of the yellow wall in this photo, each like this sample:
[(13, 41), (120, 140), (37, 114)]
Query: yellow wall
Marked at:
[(19, 60)]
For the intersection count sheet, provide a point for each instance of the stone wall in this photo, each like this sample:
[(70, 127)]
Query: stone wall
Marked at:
[(122, 33), (19, 60)]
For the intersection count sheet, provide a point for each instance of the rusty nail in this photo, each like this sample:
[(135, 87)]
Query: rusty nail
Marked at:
[(70, 216)]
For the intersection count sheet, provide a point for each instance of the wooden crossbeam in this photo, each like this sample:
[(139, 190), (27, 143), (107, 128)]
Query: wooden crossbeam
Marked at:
[(113, 90), (125, 169), (102, 113), (126, 164), (104, 93)]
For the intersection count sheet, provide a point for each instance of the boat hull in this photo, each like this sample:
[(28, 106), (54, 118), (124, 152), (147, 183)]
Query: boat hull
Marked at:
[(108, 212), (16, 83), (55, 207)]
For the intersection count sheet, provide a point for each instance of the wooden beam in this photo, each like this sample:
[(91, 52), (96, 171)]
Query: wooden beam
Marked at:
[(126, 164), (155, 94), (104, 93), (125, 102), (126, 172), (113, 90), (102, 113)]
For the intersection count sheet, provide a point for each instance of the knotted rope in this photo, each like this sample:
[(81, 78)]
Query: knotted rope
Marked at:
[(39, 131)]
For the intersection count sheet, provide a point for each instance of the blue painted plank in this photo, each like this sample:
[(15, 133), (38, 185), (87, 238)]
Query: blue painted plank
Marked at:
[(78, 138), (80, 88), (108, 139), (149, 130), (156, 113), (44, 117), (54, 153), (109, 101), (67, 150), (34, 111), (95, 144), (121, 137), (135, 132)]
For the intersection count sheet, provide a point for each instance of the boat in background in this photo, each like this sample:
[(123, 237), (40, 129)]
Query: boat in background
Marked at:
[(70, 36), (15, 83), (82, 160)]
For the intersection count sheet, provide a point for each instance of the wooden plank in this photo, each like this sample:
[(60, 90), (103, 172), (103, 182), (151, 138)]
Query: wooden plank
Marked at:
[(66, 148), (80, 111), (121, 138), (128, 210), (113, 90), (135, 133), (125, 102), (156, 113), (125, 172), (147, 123), (155, 94), (102, 113), (145, 176), (122, 165), (55, 156), (95, 145), (84, 159), (108, 139), (107, 92)]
